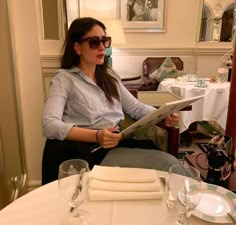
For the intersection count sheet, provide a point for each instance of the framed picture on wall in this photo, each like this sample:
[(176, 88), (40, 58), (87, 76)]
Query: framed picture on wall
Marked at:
[(143, 15)]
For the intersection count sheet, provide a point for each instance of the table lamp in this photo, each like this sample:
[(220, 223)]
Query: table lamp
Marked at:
[(115, 30)]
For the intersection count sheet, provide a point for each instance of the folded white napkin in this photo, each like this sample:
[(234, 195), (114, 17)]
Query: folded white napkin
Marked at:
[(97, 195), (124, 186), (122, 174), (119, 183)]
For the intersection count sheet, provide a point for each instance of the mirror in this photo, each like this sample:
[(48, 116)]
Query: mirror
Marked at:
[(217, 21), (52, 19)]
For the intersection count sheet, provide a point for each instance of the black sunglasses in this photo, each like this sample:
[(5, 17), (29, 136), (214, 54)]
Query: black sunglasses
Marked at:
[(95, 41)]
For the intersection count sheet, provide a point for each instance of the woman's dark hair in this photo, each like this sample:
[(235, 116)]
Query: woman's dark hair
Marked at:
[(78, 28)]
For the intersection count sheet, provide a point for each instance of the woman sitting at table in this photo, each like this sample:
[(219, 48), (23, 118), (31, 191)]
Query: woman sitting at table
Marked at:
[(86, 103)]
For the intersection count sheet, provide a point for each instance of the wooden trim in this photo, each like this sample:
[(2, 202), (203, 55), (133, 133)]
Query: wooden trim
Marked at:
[(231, 119), (3, 181), (174, 51)]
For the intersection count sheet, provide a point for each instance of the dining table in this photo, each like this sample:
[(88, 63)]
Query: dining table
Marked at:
[(213, 107), (45, 206)]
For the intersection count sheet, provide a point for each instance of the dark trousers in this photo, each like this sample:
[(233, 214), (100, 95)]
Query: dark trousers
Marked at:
[(56, 152)]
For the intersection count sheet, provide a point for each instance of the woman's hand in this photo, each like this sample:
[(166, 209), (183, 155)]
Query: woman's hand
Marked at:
[(172, 121), (107, 138)]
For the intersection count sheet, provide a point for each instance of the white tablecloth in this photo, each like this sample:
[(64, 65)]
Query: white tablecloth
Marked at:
[(214, 106), (44, 206)]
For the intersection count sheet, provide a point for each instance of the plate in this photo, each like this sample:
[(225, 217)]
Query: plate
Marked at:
[(215, 203)]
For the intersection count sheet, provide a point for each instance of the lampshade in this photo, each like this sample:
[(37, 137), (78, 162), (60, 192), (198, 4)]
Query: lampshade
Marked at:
[(115, 30)]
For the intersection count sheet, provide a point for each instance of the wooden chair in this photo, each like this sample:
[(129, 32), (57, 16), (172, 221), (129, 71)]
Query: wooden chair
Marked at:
[(168, 136), (150, 64), (145, 83)]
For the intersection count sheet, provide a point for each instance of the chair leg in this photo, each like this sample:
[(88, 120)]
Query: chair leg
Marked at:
[(173, 139)]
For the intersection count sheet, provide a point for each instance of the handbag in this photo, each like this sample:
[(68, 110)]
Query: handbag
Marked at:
[(220, 160)]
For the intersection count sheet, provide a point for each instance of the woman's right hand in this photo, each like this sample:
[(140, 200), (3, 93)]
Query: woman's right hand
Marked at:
[(107, 138)]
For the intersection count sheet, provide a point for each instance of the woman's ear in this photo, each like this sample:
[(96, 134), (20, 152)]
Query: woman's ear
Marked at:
[(77, 48)]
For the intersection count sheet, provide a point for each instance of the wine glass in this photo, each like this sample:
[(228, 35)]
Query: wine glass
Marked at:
[(184, 185), (73, 186)]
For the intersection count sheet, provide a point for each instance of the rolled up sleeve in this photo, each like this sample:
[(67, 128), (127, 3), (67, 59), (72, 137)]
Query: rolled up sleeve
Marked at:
[(52, 123)]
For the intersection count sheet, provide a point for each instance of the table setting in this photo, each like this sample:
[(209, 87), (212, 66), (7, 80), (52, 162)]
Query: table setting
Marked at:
[(127, 196), (193, 79), (214, 105), (114, 183), (182, 193)]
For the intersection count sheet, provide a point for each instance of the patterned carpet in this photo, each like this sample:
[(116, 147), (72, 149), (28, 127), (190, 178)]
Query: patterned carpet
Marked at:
[(202, 146), (205, 131), (200, 139)]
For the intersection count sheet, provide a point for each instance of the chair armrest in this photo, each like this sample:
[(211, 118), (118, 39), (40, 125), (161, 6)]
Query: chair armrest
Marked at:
[(169, 142), (166, 138), (134, 92), (173, 138)]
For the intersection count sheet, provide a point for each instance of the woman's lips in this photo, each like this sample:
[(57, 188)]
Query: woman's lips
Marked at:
[(100, 56)]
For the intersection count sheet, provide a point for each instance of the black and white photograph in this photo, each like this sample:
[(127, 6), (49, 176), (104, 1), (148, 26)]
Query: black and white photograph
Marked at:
[(142, 10), (137, 15)]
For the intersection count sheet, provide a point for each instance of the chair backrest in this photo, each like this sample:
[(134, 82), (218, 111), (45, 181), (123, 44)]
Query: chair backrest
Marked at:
[(150, 64)]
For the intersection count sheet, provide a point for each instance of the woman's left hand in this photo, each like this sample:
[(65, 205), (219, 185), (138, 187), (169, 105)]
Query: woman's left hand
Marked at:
[(172, 121)]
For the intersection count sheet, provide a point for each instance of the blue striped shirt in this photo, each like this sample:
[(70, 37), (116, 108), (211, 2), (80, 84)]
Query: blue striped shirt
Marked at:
[(76, 100)]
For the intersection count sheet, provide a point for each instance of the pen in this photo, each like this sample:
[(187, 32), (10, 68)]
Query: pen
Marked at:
[(94, 150), (99, 147)]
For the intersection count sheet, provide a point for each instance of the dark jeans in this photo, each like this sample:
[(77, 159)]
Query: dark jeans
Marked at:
[(56, 152)]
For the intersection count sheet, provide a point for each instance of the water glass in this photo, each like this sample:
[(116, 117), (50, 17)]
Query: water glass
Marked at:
[(192, 77), (222, 77), (73, 186), (184, 192)]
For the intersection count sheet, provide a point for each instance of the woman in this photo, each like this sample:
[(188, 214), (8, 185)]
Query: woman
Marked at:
[(151, 10), (86, 103), (139, 11), (130, 11)]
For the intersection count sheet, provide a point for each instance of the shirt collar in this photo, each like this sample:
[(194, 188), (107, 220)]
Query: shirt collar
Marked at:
[(77, 71), (74, 69)]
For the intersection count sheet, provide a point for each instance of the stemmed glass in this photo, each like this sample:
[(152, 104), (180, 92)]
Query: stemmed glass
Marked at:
[(73, 186), (184, 184)]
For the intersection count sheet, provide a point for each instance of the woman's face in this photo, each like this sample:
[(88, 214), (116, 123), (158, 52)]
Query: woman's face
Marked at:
[(88, 55)]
